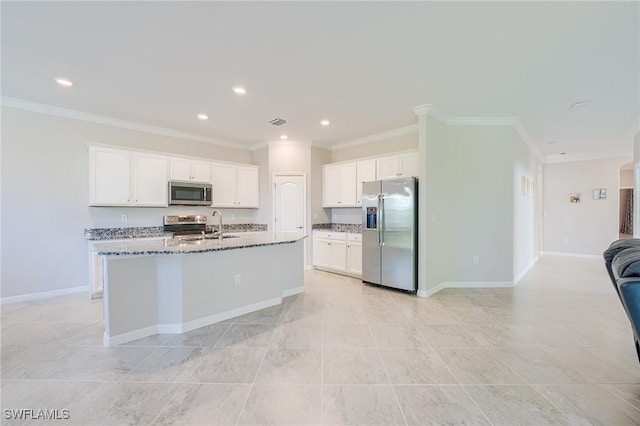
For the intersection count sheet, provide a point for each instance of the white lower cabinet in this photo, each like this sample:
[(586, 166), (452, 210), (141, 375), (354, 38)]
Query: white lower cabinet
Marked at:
[(338, 252), (354, 254)]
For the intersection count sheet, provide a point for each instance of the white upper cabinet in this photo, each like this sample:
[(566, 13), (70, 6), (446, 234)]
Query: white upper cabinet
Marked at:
[(123, 178), (365, 172), (150, 180), (109, 183), (248, 187), (236, 186), (410, 165), (339, 185), (190, 170), (402, 165)]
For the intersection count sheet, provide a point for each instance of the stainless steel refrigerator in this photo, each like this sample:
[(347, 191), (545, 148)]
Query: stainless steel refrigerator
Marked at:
[(389, 233)]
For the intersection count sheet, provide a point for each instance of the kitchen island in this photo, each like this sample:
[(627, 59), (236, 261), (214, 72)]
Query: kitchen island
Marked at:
[(175, 285)]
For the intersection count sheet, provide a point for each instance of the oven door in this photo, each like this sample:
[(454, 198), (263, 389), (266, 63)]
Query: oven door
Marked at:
[(189, 193)]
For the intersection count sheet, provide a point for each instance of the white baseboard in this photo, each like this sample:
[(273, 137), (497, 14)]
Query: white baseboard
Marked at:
[(521, 275), (582, 256), (463, 284), (292, 291), (187, 326), (129, 337), (212, 319), (43, 295)]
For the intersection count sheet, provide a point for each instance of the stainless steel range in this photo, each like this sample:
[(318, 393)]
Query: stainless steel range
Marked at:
[(190, 227)]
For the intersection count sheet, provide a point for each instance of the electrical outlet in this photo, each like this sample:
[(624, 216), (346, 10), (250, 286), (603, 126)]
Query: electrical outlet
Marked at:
[(237, 278), (123, 218), (476, 260)]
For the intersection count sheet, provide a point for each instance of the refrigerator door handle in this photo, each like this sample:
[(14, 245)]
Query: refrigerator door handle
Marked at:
[(381, 210), (379, 214)]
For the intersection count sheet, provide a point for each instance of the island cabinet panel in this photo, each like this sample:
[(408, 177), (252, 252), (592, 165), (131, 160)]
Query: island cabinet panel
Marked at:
[(150, 294)]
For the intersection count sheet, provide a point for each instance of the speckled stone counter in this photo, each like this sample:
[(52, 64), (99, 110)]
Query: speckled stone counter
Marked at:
[(105, 234), (178, 245), (338, 227)]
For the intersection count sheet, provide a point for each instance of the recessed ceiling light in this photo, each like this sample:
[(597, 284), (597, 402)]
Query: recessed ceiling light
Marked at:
[(552, 142), (239, 90), (580, 104), (283, 137), (64, 82), (325, 122), (203, 117)]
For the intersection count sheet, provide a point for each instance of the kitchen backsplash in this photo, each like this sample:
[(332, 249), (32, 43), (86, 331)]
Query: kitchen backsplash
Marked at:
[(339, 227), (158, 231)]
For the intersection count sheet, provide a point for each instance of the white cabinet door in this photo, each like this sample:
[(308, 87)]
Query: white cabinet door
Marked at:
[(109, 171), (354, 258), (321, 253), (338, 260), (365, 172), (180, 169), (388, 167), (348, 185), (339, 185), (150, 180), (410, 165), (248, 187), (190, 170), (331, 186), (201, 171), (225, 184)]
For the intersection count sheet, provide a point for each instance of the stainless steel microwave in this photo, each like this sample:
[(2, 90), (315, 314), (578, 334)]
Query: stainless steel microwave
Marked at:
[(189, 193)]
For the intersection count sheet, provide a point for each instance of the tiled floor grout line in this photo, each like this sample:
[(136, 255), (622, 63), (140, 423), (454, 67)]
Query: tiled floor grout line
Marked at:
[(322, 370), (253, 383), (618, 396), (386, 372)]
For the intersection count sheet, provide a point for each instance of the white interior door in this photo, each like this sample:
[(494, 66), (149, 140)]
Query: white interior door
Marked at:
[(289, 205)]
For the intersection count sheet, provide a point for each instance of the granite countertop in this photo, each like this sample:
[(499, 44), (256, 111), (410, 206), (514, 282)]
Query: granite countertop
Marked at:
[(338, 227), (141, 247), (106, 234)]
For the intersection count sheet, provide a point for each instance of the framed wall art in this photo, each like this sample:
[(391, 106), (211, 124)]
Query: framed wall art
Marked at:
[(600, 193)]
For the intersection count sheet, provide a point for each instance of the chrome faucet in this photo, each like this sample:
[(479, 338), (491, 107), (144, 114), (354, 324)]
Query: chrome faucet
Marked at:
[(220, 225)]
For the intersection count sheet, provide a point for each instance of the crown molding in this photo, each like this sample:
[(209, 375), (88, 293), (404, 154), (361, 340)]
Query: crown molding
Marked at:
[(110, 121), (305, 143), (422, 109), (258, 146), (570, 158), (412, 128)]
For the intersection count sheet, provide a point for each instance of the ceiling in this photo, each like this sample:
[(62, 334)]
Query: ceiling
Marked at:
[(361, 65)]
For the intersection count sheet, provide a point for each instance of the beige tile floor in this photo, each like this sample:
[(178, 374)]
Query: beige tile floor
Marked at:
[(557, 349)]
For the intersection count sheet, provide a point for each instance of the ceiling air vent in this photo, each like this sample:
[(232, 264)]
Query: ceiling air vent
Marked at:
[(277, 121)]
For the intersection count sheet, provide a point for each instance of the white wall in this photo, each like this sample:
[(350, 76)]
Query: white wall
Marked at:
[(479, 213), (45, 191), (626, 178), (319, 156), (526, 209), (379, 147), (468, 185), (590, 226)]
